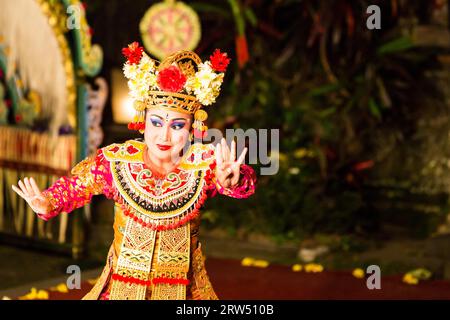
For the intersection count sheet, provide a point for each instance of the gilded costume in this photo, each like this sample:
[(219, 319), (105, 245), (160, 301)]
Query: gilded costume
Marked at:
[(155, 253)]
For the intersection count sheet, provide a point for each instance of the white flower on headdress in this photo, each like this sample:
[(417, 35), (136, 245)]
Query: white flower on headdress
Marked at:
[(146, 64), (217, 82), (130, 70), (152, 80), (205, 84), (205, 75), (141, 77), (206, 97), (138, 89)]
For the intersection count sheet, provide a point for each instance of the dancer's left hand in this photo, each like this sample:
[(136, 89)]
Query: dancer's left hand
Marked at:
[(228, 168)]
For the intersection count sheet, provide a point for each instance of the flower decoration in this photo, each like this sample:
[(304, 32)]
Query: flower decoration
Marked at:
[(143, 76), (410, 279), (133, 52), (247, 262), (297, 267), (171, 79), (413, 277), (219, 61), (205, 84), (62, 287), (358, 273), (250, 262), (261, 263), (313, 267), (35, 294)]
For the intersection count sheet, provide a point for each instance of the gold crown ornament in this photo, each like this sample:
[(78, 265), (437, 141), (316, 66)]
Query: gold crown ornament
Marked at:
[(181, 82)]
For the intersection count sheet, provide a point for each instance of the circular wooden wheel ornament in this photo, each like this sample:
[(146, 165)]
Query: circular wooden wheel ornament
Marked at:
[(168, 27)]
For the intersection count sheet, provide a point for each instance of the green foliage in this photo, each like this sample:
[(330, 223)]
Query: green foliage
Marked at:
[(323, 79), (327, 83)]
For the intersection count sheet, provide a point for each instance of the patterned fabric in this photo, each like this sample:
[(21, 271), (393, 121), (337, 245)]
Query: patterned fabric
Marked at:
[(155, 253), (159, 199), (203, 289), (134, 262), (172, 262), (92, 176)]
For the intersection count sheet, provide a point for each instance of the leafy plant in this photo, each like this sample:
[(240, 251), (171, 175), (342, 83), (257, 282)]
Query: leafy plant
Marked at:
[(328, 83), (316, 73)]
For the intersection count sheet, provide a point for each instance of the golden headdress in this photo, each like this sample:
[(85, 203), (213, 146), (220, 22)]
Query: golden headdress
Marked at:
[(181, 82)]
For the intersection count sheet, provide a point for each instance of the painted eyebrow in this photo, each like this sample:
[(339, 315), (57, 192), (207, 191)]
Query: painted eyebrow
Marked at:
[(155, 115)]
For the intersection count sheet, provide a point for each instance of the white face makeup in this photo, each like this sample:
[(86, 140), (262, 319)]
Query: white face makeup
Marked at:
[(166, 133)]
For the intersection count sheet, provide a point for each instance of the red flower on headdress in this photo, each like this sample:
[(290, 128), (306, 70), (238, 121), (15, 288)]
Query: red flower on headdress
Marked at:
[(171, 79), (133, 52), (219, 61)]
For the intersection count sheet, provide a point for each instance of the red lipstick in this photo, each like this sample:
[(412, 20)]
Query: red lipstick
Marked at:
[(163, 147)]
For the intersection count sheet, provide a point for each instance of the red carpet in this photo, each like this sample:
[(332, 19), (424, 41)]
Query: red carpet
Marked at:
[(232, 281)]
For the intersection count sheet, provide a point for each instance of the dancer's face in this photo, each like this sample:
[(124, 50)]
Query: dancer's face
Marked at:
[(166, 133)]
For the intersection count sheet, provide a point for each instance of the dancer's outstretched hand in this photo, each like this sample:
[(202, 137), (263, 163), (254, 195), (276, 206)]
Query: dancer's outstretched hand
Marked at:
[(228, 168), (33, 196)]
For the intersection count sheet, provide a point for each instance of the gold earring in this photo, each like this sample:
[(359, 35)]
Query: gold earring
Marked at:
[(200, 130)]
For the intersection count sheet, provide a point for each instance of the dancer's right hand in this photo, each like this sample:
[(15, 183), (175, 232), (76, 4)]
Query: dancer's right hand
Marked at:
[(33, 196)]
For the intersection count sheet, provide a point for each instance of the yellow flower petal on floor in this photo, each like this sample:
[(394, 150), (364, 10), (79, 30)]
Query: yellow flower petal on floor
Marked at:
[(297, 267), (29, 296), (313, 267), (410, 279), (247, 262), (261, 263), (42, 295), (34, 294), (250, 262), (413, 277), (358, 273), (309, 267), (319, 268), (62, 287)]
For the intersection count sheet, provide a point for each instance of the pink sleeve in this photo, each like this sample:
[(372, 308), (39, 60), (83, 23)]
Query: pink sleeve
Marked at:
[(90, 177), (244, 188)]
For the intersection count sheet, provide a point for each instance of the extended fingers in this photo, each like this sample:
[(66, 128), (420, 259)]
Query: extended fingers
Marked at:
[(18, 191), (225, 150), (35, 187), (233, 151), (219, 158), (23, 188), (242, 156), (29, 187)]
